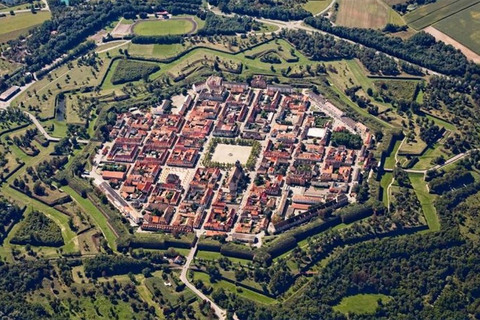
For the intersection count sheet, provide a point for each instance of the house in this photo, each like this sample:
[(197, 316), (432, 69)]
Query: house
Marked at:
[(9, 93)]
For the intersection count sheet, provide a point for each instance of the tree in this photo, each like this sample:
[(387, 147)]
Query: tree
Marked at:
[(38, 189)]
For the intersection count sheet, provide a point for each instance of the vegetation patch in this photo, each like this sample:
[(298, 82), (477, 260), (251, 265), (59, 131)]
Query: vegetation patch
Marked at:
[(128, 70), (361, 303), (38, 230)]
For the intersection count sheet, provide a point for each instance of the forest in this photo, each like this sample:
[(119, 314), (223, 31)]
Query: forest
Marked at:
[(421, 49)]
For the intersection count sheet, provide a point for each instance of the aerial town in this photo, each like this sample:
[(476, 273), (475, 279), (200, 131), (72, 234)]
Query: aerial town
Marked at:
[(232, 160)]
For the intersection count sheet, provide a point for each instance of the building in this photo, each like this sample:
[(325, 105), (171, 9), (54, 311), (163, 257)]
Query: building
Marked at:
[(9, 93)]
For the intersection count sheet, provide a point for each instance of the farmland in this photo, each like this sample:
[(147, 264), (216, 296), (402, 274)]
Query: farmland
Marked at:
[(20, 23), (456, 27), (164, 27), (430, 14), (366, 14)]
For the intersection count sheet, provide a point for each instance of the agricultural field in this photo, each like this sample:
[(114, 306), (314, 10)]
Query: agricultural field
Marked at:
[(366, 14), (428, 15), (361, 303), (463, 27), (172, 26), (20, 23)]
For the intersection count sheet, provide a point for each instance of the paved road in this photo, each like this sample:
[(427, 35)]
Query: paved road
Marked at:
[(221, 314), (123, 42)]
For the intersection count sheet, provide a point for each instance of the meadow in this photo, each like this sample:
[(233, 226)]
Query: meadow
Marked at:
[(7, 67), (361, 303), (316, 6), (20, 23)]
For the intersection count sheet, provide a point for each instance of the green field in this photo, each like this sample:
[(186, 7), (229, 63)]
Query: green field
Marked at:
[(211, 255), (361, 303), (426, 200), (464, 27), (20, 23), (98, 217), (163, 27), (230, 287), (316, 6), (432, 13), (385, 182)]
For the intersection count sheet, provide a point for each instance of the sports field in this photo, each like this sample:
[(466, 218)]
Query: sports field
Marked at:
[(464, 27), (432, 13), (366, 14), (14, 26), (164, 27)]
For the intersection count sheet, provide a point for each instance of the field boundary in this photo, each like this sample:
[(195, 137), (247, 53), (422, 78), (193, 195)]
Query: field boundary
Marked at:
[(453, 12), (441, 36)]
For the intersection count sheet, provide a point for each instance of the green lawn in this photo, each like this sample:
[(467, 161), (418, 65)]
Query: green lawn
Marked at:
[(385, 182), (425, 160), (211, 255), (390, 160), (442, 123), (361, 303), (230, 287), (426, 200), (316, 6), (162, 27), (99, 218)]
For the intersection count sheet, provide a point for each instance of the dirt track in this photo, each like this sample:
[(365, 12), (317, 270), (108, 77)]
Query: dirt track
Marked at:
[(448, 40)]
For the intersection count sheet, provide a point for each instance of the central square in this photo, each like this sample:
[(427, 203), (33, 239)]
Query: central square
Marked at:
[(229, 153)]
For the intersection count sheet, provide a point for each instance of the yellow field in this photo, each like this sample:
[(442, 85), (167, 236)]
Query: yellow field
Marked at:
[(366, 14)]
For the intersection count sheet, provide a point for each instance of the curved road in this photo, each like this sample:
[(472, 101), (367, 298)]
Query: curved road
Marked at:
[(221, 314)]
